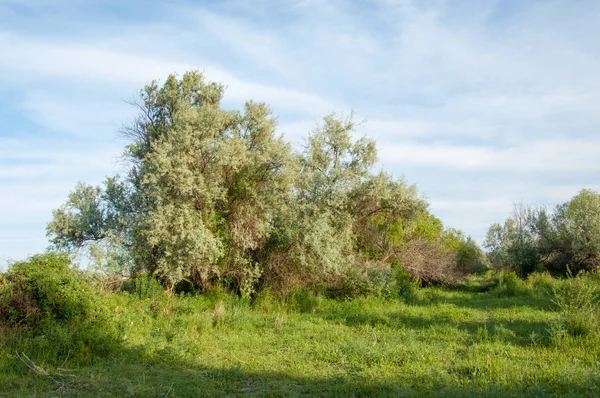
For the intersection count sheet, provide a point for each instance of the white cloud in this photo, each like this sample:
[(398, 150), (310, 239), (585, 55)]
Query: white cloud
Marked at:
[(72, 62), (537, 156)]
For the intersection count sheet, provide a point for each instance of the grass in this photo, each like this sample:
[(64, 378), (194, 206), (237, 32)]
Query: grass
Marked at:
[(446, 343)]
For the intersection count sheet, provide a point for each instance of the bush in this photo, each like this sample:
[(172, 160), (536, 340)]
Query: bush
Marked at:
[(51, 311), (541, 284), (578, 299), (267, 301), (431, 262), (510, 284), (407, 287), (367, 279), (45, 287), (147, 287), (303, 300)]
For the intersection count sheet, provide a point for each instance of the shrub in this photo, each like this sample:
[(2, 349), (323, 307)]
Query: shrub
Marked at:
[(578, 299), (541, 283), (266, 301), (369, 278), (512, 285), (45, 287), (430, 262), (51, 311), (407, 287), (303, 300), (471, 259), (147, 287), (536, 239)]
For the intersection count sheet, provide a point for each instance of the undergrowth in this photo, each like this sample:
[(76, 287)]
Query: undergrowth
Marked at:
[(495, 336)]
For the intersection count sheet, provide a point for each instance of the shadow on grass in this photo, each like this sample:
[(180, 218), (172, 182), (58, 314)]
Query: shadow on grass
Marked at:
[(129, 374), (489, 301), (516, 332), (135, 373)]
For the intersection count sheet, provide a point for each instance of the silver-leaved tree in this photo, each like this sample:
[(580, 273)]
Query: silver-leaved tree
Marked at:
[(217, 196)]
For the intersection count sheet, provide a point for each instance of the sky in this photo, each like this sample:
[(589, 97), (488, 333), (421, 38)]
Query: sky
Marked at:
[(481, 103)]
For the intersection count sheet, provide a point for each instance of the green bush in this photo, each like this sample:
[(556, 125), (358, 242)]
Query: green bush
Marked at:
[(303, 300), (52, 312), (46, 287), (578, 298), (366, 279), (267, 301), (147, 286), (511, 285), (541, 284), (407, 287)]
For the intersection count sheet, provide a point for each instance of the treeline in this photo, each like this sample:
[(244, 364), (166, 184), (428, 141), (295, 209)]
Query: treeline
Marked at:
[(562, 241), (217, 197)]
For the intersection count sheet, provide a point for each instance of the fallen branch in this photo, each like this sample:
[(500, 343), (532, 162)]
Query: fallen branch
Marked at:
[(31, 365)]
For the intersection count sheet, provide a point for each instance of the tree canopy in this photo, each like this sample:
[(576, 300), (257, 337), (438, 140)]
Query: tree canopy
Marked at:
[(565, 239), (217, 196)]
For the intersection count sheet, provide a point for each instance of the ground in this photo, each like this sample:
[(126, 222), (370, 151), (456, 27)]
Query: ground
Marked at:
[(445, 343)]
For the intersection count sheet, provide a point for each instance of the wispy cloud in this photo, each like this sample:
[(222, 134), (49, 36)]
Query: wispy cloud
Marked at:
[(533, 156)]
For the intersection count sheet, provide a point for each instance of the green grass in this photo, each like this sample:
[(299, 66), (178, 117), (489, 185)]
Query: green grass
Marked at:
[(447, 343)]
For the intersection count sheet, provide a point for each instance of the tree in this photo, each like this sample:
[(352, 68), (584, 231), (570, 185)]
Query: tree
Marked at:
[(571, 235), (567, 238), (201, 192), (215, 196), (314, 236), (515, 244)]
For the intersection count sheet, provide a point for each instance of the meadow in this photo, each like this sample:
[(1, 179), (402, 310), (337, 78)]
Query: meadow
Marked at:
[(495, 336)]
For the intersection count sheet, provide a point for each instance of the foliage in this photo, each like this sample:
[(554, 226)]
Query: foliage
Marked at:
[(216, 197), (479, 283), (430, 262), (578, 298), (407, 287), (303, 300), (514, 243), (44, 288), (510, 284), (534, 239), (573, 238), (147, 287), (362, 279), (471, 258), (541, 284), (47, 306)]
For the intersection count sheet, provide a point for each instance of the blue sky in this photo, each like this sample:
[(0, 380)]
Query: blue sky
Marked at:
[(482, 104)]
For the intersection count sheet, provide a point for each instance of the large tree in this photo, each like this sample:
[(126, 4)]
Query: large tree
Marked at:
[(216, 196)]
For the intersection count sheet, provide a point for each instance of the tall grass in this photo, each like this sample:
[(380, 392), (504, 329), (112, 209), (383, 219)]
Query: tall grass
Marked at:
[(578, 299), (438, 342)]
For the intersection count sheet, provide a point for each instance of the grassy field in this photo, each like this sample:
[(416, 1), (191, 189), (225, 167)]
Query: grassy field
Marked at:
[(445, 343)]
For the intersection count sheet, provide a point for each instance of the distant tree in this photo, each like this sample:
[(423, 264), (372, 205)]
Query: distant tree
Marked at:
[(571, 235), (515, 244), (535, 239), (471, 259)]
